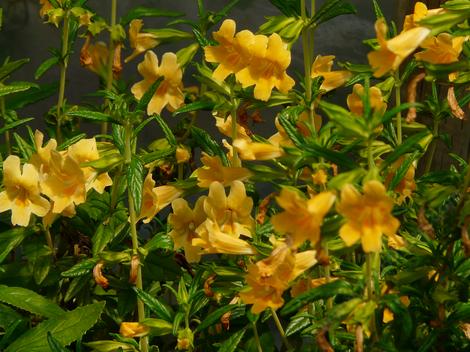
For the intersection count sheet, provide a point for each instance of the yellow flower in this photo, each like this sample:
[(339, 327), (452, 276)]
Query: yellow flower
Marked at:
[(232, 54), (182, 154), (213, 170), (165, 195), (22, 194), (184, 222), (320, 177), (248, 150), (42, 157), (225, 127), (267, 68), (133, 329), (65, 184), (302, 218), (94, 57), (46, 6), (85, 150), (269, 278), (420, 12), (368, 216), (376, 100), (213, 240), (443, 49), (392, 52), (233, 212), (139, 41), (170, 90), (332, 79)]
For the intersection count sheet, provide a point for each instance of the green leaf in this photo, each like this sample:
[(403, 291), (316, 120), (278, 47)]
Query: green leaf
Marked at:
[(208, 144), (157, 155), (110, 346), (321, 292), (169, 35), (377, 10), (403, 169), (11, 239), (230, 345), (287, 7), (205, 105), (410, 144), (158, 327), (297, 323), (170, 137), (25, 149), (106, 233), (16, 87), (68, 328), (55, 345), (31, 96), (70, 141), (460, 314), (139, 12), (82, 268), (11, 67), (148, 95), (30, 301), (338, 158), (92, 115), (348, 125), (331, 9), (179, 318), (215, 316), (159, 241), (45, 66), (135, 181), (9, 126), (457, 5), (159, 308), (287, 118), (353, 176)]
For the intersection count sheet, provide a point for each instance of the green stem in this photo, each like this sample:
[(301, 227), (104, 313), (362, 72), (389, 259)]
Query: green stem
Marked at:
[(256, 336), (370, 266), (49, 241), (112, 49), (63, 72), (398, 103), (236, 160), (134, 238), (7, 133), (307, 47), (281, 331), (433, 147), (370, 157)]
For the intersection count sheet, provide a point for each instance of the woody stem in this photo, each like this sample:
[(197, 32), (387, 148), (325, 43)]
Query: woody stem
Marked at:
[(281, 331), (63, 71), (111, 51), (135, 241)]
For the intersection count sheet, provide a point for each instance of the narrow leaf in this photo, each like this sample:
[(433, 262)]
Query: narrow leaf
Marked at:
[(154, 304), (215, 316), (31, 96), (15, 87), (82, 268), (92, 115), (208, 144), (11, 239), (9, 126), (11, 67), (135, 181), (45, 66), (231, 344), (140, 12), (55, 345), (166, 130), (205, 105), (148, 95)]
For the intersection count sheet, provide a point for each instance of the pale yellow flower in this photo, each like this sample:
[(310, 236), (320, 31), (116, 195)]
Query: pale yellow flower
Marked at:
[(139, 41), (213, 240), (65, 184), (149, 207), (166, 194), (367, 215), (248, 150), (170, 91), (184, 221), (22, 194), (225, 127), (392, 52), (331, 79), (443, 49), (232, 52), (233, 212), (301, 218), (42, 157), (420, 12), (133, 329), (86, 150), (269, 278), (213, 170), (376, 100), (267, 69)]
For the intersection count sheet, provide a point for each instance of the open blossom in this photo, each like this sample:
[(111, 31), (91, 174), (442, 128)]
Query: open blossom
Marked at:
[(184, 221), (367, 215), (269, 278), (442, 49), (248, 150), (170, 91), (331, 79), (213, 170), (376, 100), (267, 68), (22, 193), (225, 127), (392, 52), (133, 329), (420, 12), (139, 41), (302, 218), (42, 157)]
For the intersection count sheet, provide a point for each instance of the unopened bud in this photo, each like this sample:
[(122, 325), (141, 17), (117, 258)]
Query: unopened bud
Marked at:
[(100, 279), (135, 262), (133, 329)]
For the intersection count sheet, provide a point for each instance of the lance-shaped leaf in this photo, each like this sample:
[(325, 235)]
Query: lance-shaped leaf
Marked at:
[(135, 181), (139, 12), (11, 67)]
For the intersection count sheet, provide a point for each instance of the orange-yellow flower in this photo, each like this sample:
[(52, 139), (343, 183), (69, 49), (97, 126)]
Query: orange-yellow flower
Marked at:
[(225, 127), (331, 79), (170, 91), (392, 52), (443, 49), (302, 218), (46, 6), (213, 170), (139, 41), (270, 58), (184, 222), (232, 53), (22, 193), (367, 215), (407, 184), (248, 150), (376, 100), (420, 12), (133, 329), (269, 278), (94, 57)]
